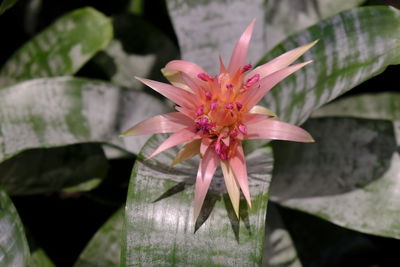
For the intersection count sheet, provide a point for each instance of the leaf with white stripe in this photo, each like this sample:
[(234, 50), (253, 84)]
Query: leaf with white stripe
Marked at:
[(52, 112), (14, 250), (209, 29), (61, 49), (159, 226), (350, 176), (353, 47)]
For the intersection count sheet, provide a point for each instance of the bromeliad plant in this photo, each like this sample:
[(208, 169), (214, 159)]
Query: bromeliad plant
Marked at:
[(215, 114), (64, 132)]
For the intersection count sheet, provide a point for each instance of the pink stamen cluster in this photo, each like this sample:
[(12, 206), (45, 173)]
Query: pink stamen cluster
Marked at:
[(219, 116), (204, 125)]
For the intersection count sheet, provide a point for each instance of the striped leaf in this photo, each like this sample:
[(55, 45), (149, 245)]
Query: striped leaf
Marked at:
[(104, 248), (159, 227), (61, 49), (354, 46), (54, 112), (14, 250), (207, 29), (349, 177)]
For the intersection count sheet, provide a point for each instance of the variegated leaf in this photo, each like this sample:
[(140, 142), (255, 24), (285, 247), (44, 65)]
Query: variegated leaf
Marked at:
[(14, 250), (349, 177), (61, 49), (159, 224)]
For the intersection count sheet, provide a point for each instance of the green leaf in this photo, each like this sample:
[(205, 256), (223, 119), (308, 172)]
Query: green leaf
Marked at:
[(279, 249), (104, 248), (14, 250), (285, 17), (354, 46), (384, 106), (159, 227), (6, 4), (53, 112), (349, 177), (39, 258), (61, 49), (126, 58), (49, 170), (208, 29)]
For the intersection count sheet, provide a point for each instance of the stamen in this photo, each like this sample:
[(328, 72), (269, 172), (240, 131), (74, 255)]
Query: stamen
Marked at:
[(238, 106), (251, 81), (243, 129), (229, 86), (213, 105), (229, 106), (200, 110), (247, 67), (204, 76), (208, 95), (233, 133)]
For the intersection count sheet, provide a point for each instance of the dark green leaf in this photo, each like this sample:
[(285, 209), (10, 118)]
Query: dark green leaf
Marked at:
[(49, 170), (159, 226), (350, 176), (279, 248), (61, 49), (39, 258), (6, 4), (126, 57), (14, 250)]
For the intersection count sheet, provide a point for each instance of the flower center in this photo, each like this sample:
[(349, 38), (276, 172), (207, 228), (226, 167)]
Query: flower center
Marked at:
[(219, 117)]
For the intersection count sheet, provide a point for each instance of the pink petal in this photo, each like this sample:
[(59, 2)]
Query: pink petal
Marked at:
[(205, 143), (205, 173), (187, 67), (176, 95), (182, 136), (277, 130), (248, 118), (253, 95), (165, 123), (187, 112), (238, 166), (231, 186), (281, 62), (239, 54)]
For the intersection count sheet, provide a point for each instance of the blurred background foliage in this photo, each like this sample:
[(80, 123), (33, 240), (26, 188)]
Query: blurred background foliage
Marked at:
[(62, 217)]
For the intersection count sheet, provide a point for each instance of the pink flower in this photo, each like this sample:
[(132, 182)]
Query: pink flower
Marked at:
[(216, 113)]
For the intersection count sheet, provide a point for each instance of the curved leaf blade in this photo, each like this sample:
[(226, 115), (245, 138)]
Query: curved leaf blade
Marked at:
[(354, 46), (61, 49), (14, 250), (208, 29), (104, 248), (52, 112), (50, 170), (349, 177), (159, 227), (384, 106), (6, 4)]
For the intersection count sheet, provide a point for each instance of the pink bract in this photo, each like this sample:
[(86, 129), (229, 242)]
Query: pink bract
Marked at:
[(216, 113)]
